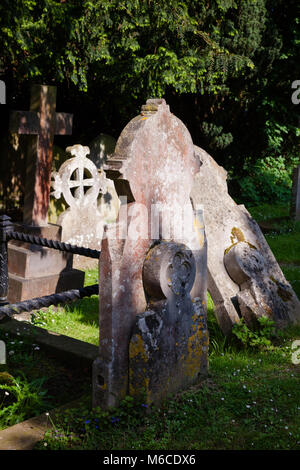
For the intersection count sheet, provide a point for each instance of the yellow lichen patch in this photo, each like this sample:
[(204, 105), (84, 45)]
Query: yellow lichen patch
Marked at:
[(143, 384), (194, 353), (137, 348), (237, 234), (199, 232)]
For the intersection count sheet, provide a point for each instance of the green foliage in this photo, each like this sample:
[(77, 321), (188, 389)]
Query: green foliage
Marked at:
[(261, 337), (266, 181), (144, 45), (21, 400)]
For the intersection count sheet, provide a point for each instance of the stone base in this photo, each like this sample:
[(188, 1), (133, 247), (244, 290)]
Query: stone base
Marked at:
[(35, 271), (25, 289)]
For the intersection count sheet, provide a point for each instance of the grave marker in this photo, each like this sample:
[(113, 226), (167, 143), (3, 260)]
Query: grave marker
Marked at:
[(36, 271), (244, 278), (42, 123), (80, 184), (153, 167)]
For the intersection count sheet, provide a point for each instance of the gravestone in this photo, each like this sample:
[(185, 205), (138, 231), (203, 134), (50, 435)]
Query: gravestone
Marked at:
[(2, 92), (153, 168), (244, 278), (82, 214), (41, 123), (35, 271), (295, 200), (80, 184), (101, 148)]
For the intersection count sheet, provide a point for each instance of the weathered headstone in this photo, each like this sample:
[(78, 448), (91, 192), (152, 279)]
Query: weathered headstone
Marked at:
[(35, 271), (169, 345), (244, 278), (153, 168), (101, 148), (80, 184), (295, 200)]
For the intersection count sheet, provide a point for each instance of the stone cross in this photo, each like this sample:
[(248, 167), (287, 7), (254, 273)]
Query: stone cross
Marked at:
[(295, 201), (42, 123), (153, 169), (80, 184)]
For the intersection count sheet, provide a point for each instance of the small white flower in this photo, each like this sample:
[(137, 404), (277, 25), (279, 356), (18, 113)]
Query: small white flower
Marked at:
[(248, 406), (6, 393), (11, 353)]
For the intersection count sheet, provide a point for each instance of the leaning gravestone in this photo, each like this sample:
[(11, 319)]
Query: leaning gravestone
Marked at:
[(244, 278), (295, 200), (152, 272)]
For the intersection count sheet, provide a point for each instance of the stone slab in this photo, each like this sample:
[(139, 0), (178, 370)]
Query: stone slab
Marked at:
[(25, 435), (35, 261), (24, 289), (35, 271), (67, 349)]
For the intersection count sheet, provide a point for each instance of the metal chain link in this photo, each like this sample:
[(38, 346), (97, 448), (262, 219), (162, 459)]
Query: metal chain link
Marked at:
[(47, 300), (57, 245)]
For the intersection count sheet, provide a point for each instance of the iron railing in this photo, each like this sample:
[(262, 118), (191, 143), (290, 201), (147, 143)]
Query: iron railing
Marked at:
[(7, 233)]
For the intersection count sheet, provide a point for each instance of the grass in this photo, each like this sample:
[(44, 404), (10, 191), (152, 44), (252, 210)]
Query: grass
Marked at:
[(78, 320), (33, 381), (249, 401)]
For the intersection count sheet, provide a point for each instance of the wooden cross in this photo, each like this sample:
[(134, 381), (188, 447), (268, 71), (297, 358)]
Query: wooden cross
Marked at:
[(42, 123)]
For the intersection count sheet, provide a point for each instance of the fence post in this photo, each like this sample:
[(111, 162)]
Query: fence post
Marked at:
[(5, 226)]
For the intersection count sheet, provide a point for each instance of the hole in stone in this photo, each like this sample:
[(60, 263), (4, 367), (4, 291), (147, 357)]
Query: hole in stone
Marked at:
[(235, 303), (100, 380)]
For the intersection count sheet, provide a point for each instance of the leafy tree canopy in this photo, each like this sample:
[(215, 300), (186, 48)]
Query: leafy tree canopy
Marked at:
[(225, 66)]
